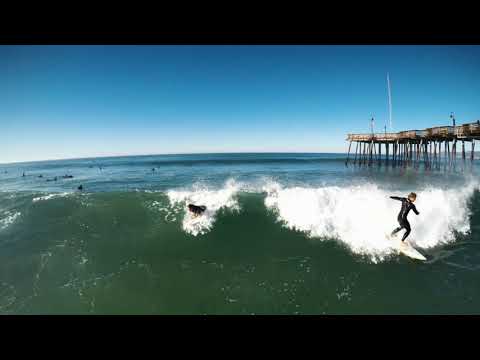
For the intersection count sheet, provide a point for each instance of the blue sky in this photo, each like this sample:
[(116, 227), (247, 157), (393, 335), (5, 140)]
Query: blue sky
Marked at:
[(82, 101)]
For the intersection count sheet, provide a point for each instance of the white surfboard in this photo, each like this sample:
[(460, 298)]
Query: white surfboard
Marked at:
[(406, 249)]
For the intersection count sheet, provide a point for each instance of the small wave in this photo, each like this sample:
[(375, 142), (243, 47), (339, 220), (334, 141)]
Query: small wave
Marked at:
[(11, 217), (214, 200), (50, 196)]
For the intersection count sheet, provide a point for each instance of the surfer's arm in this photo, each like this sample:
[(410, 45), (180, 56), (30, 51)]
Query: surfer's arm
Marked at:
[(396, 198), (415, 210)]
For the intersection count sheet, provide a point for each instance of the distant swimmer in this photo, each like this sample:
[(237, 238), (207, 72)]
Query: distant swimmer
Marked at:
[(196, 210), (80, 187), (40, 176), (67, 176), (153, 169), (23, 175), (407, 205)]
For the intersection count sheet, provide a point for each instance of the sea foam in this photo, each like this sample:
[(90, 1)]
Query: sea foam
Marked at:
[(360, 216), (214, 200)]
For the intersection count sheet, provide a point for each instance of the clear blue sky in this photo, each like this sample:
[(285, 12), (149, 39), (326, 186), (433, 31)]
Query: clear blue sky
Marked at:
[(81, 101)]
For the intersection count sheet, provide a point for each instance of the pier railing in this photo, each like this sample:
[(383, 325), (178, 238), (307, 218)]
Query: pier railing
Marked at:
[(373, 137), (438, 132)]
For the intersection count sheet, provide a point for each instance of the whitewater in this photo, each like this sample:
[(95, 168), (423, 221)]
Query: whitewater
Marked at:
[(358, 216)]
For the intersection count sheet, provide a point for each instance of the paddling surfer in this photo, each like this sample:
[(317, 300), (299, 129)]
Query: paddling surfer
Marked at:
[(196, 210)]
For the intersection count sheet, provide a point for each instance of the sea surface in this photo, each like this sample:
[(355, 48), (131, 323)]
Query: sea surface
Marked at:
[(282, 234)]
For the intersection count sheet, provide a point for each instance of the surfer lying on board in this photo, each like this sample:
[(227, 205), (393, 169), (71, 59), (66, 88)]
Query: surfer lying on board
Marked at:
[(196, 210), (407, 205)]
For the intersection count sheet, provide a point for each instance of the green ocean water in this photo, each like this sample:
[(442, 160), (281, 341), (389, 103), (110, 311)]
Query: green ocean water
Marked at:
[(125, 245)]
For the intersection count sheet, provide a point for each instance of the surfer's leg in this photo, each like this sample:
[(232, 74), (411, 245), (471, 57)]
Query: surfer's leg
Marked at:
[(396, 230), (407, 227), (400, 222)]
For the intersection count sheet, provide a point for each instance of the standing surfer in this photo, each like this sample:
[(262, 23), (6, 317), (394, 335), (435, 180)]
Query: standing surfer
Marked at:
[(407, 205)]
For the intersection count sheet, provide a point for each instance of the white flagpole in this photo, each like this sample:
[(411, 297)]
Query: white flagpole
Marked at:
[(389, 102)]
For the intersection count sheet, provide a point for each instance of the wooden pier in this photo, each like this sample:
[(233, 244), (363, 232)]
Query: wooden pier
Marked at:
[(412, 147)]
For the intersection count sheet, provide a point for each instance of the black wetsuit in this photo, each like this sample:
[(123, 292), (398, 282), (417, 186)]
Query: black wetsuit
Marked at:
[(407, 205)]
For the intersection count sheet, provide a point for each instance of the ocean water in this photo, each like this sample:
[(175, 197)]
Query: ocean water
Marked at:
[(282, 234)]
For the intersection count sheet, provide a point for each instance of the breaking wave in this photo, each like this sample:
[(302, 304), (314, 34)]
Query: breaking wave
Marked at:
[(361, 216)]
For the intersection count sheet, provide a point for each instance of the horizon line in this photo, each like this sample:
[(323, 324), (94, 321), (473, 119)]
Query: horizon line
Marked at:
[(161, 154)]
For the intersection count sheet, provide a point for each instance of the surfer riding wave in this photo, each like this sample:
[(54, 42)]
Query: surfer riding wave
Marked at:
[(407, 205)]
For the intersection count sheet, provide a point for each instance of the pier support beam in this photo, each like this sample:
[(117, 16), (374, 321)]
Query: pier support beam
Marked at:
[(387, 145), (425, 154), (397, 153), (356, 150), (370, 149), (394, 154), (410, 145), (419, 147), (448, 152), (445, 160), (431, 155), (379, 153), (364, 153), (394, 157), (348, 155), (454, 152), (439, 161), (365, 145)]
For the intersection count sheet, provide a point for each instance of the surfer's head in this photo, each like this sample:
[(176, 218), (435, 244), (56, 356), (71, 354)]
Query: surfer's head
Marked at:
[(412, 196)]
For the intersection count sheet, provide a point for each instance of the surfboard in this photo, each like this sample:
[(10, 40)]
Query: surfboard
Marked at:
[(406, 249)]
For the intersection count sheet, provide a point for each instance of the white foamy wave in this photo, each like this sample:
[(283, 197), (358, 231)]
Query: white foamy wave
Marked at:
[(50, 196), (214, 200), (361, 216), (9, 219)]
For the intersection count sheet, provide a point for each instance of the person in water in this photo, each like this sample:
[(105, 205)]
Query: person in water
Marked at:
[(407, 205), (196, 210)]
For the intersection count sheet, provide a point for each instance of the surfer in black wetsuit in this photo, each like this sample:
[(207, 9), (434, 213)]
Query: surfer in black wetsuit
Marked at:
[(196, 210), (407, 205)]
